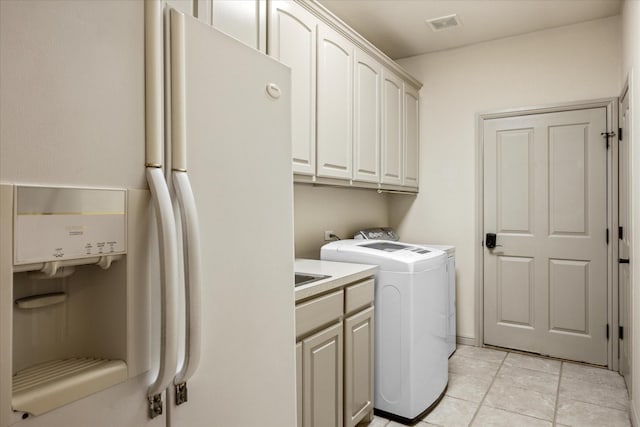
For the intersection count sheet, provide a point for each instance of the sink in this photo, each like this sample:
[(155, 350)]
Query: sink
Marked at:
[(306, 278)]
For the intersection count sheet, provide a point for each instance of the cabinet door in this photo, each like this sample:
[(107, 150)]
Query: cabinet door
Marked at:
[(392, 155), (411, 119), (244, 20), (322, 378), (358, 366), (292, 40), (299, 383), (335, 100), (366, 118)]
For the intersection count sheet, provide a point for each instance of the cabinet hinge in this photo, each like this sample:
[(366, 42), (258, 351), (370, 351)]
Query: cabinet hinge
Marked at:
[(623, 260), (619, 134), (607, 135), (620, 233), (620, 332), (607, 331), (607, 238)]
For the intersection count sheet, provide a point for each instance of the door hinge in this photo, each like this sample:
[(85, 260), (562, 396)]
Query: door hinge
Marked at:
[(607, 331), (619, 134), (607, 238), (620, 233), (623, 260), (620, 332), (181, 393), (607, 135)]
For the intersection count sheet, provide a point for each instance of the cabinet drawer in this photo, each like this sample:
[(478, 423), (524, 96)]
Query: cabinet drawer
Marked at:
[(359, 295), (318, 312)]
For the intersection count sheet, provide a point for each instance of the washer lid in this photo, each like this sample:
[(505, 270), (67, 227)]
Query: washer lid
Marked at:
[(390, 256)]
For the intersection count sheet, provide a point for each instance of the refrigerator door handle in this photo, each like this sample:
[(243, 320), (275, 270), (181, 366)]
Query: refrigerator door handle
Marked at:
[(192, 283), (186, 201), (168, 281)]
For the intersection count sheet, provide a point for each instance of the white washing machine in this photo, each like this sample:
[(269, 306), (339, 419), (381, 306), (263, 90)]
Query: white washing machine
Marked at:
[(410, 323), (388, 233)]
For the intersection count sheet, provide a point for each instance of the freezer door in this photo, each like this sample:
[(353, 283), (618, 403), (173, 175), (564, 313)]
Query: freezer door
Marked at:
[(238, 137)]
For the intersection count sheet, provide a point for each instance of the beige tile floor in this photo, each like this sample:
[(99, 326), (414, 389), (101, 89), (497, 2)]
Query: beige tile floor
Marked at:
[(496, 388)]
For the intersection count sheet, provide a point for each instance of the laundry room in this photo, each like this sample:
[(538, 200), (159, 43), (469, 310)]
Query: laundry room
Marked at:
[(319, 213)]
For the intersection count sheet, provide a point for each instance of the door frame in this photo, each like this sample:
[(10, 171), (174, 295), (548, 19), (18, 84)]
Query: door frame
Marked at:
[(611, 105)]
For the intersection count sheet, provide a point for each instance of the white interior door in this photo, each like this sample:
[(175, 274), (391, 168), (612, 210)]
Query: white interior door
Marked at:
[(624, 285), (545, 286)]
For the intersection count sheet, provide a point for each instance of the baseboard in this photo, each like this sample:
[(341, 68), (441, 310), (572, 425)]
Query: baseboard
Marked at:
[(468, 341), (633, 414)]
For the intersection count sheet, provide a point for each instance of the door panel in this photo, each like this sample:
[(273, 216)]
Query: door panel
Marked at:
[(568, 170), (569, 287), (322, 378), (392, 155), (411, 136), (292, 40), (545, 285), (515, 291), (514, 180), (366, 124), (335, 103)]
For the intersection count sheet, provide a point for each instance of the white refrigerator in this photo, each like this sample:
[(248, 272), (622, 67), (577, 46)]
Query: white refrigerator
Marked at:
[(119, 282)]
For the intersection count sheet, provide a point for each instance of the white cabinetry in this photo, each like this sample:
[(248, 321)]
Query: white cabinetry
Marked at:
[(334, 356), (366, 118), (349, 101), (358, 352), (244, 20), (411, 132), (322, 378), (292, 40), (392, 153), (335, 102)]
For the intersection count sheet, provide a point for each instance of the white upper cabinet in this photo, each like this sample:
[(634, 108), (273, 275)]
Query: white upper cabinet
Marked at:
[(335, 102), (292, 40), (355, 117), (392, 153), (366, 118), (244, 20), (411, 136)]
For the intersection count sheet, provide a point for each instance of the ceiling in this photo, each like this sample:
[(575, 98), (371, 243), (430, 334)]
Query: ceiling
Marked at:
[(398, 28)]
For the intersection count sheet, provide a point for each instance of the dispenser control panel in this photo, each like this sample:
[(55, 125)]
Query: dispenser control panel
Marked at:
[(57, 223)]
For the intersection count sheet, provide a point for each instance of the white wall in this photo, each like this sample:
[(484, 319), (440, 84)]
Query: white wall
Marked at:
[(342, 210), (572, 63), (631, 68)]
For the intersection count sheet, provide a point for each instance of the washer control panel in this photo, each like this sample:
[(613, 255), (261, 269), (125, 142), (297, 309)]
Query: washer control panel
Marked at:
[(378, 233)]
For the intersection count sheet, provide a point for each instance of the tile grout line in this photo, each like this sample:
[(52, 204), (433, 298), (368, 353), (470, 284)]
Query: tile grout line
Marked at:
[(493, 380), (555, 409)]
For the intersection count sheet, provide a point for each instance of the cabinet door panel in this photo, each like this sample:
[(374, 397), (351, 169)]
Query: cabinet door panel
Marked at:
[(335, 100), (411, 118), (358, 366), (244, 20), (292, 40), (392, 154), (322, 378), (366, 122)]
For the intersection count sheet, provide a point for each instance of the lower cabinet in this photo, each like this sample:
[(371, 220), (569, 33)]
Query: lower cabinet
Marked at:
[(358, 367), (322, 378), (334, 357)]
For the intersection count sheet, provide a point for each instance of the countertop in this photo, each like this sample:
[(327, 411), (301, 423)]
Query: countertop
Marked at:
[(342, 273)]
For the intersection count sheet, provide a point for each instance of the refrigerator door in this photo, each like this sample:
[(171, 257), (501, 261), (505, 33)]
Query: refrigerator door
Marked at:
[(72, 114), (238, 135)]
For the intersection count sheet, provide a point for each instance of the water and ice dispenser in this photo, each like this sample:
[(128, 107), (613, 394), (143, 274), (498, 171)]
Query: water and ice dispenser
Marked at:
[(71, 303)]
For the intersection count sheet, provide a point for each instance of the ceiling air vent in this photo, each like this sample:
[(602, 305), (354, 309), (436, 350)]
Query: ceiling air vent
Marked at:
[(444, 22)]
